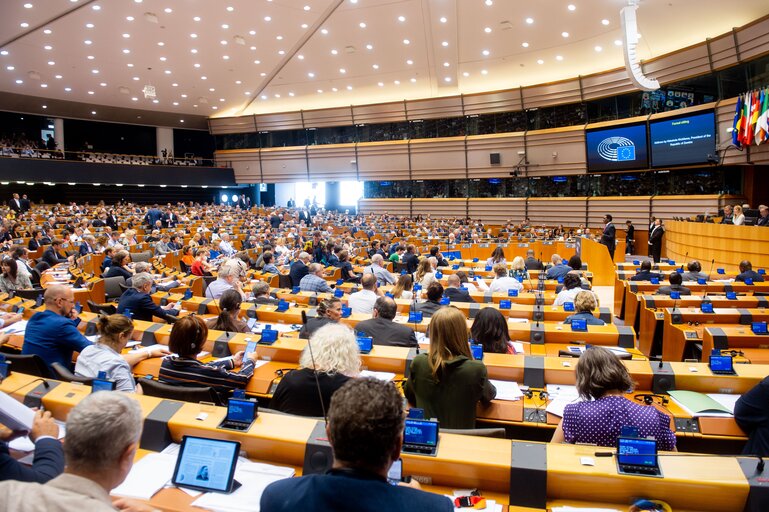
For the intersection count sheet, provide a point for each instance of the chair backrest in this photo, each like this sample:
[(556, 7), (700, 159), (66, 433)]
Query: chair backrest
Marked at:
[(112, 287), (481, 432), (34, 277), (62, 373), (107, 309), (179, 392), (29, 294), (185, 268), (136, 257), (31, 364)]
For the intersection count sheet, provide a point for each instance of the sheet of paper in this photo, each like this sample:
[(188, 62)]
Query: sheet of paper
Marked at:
[(518, 320), (15, 328), (507, 390), (728, 401), (555, 390), (275, 327), (131, 344), (94, 338), (518, 347), (14, 414), (557, 405), (147, 476), (385, 376), (255, 478)]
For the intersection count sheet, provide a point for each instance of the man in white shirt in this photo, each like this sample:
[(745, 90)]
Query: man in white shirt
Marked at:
[(363, 301), (225, 247), (502, 283)]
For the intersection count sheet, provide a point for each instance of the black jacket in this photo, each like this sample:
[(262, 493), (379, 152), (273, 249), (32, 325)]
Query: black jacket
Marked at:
[(751, 412), (534, 264), (458, 295), (387, 332), (297, 272)]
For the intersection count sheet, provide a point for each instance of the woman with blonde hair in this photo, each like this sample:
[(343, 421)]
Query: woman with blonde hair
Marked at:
[(402, 288), (738, 218), (424, 274), (335, 359), (447, 382), (518, 269)]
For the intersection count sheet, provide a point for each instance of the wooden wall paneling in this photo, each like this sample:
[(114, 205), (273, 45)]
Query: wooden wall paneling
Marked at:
[(497, 211), (723, 51), (332, 162), (454, 207), (279, 121), (552, 211), (341, 116), (245, 163), (498, 101), (753, 39), (691, 61), (555, 93), (667, 207), (380, 113), (383, 161), (439, 159), (556, 151), (381, 206), (635, 208), (434, 108), (240, 124), (609, 83), (281, 165), (479, 147), (724, 123)]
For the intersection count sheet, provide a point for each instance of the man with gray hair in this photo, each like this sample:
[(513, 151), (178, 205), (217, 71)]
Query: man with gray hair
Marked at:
[(144, 266), (383, 277), (103, 433), (229, 275), (261, 292), (313, 281), (382, 328), (138, 302), (299, 268), (225, 247)]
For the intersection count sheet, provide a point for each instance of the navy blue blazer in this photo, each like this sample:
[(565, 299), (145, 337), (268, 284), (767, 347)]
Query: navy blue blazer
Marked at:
[(297, 272), (47, 464), (141, 305), (344, 490)]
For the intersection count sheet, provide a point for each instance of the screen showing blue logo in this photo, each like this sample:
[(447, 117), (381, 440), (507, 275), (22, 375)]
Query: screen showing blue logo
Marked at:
[(637, 451), (617, 148)]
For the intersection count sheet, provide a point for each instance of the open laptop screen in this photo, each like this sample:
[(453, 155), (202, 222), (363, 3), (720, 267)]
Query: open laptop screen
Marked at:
[(421, 432), (721, 363)]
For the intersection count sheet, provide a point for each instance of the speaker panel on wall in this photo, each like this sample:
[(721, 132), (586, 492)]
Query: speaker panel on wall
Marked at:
[(495, 158)]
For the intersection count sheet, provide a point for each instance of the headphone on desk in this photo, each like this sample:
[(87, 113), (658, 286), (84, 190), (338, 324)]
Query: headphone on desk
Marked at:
[(543, 395), (648, 398)]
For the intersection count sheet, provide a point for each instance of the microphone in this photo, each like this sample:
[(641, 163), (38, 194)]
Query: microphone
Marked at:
[(712, 262), (45, 383)]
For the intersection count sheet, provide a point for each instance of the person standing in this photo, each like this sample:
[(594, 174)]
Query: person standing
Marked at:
[(609, 235), (655, 241), (629, 237)]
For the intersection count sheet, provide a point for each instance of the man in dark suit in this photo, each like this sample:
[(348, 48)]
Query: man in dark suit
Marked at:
[(609, 235), (170, 219), (137, 299), (52, 256), (675, 285), (454, 292), (434, 294), (435, 253), (304, 216), (299, 268), (533, 263), (275, 220), (747, 272), (410, 259), (15, 204), (365, 430), (629, 237), (25, 204), (36, 241), (645, 272), (87, 246), (49, 455), (655, 241), (382, 328), (763, 219)]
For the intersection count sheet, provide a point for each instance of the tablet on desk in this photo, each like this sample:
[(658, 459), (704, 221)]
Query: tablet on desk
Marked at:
[(579, 325), (365, 344), (722, 365), (420, 437), (206, 465), (637, 456), (241, 414)]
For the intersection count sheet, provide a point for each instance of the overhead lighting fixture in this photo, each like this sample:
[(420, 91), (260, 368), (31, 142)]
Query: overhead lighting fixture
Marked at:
[(443, 19), (401, 18), (572, 7), (630, 36), (604, 22), (529, 21)]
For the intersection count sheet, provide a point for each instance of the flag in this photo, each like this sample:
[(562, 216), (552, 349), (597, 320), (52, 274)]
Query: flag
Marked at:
[(737, 123), (762, 124), (745, 120), (755, 107)]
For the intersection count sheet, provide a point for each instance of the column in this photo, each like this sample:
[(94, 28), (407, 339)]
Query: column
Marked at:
[(164, 138), (58, 133)]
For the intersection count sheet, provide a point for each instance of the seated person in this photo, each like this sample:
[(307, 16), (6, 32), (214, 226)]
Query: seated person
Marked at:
[(531, 262), (119, 265), (518, 269), (432, 304), (503, 283), (751, 412), (424, 274), (49, 456), (11, 279), (675, 280), (107, 262), (497, 256), (161, 246), (694, 272), (229, 277), (365, 430), (269, 265), (187, 257), (201, 267), (53, 256), (261, 293), (363, 300), (382, 328), (187, 339), (602, 381), (746, 271), (138, 302), (472, 286), (336, 360), (104, 356), (645, 272), (571, 287), (557, 268), (328, 311), (383, 277), (490, 330), (447, 382), (144, 266), (313, 281), (584, 305), (454, 292), (53, 334), (403, 287), (229, 309), (348, 274)]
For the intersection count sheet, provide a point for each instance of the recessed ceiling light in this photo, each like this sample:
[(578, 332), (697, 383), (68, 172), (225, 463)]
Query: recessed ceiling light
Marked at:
[(257, 62), (67, 89), (196, 65), (489, 2), (93, 113), (443, 19), (564, 34), (129, 18), (324, 31), (409, 62), (252, 48), (264, 96), (484, 72), (281, 52), (163, 59), (225, 26), (47, 31), (95, 71), (277, 95), (4, 52), (598, 49), (262, 74), (320, 91), (167, 71), (369, 46), (334, 89), (91, 93), (19, 81), (446, 64), (445, 44), (134, 99), (96, 7), (223, 42), (88, 41), (291, 94), (90, 57), (406, 41), (230, 8), (168, 10), (487, 30), (529, 21), (311, 75), (349, 87), (300, 57), (46, 47), (43, 85), (193, 36), (267, 18), (617, 42), (89, 25), (306, 7), (375, 66), (342, 70), (103, 84), (558, 57), (604, 22), (334, 52), (194, 50), (28, 6), (58, 77), (204, 77), (304, 25), (279, 38), (214, 107), (184, 95), (196, 18), (447, 79), (401, 18), (211, 89), (485, 53), (136, 78), (413, 80), (51, 63), (126, 51), (380, 84), (155, 101), (126, 36), (247, 93), (397, 82), (465, 74), (571, 7), (525, 44), (10, 68)]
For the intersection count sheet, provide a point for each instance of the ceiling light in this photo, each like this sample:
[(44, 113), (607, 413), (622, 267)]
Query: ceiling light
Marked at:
[(380, 84), (126, 36), (193, 50), (558, 57), (375, 66), (447, 79), (342, 70), (334, 52), (257, 62), (167, 71), (406, 41), (445, 44), (305, 25), (565, 34), (324, 31), (134, 99), (10, 68), (369, 46), (19, 81), (90, 57), (401, 18), (136, 78), (28, 6), (349, 87), (96, 7), (193, 36), (155, 101), (43, 85), (168, 10), (279, 38), (529, 21), (598, 49), (281, 52), (334, 89), (174, 84), (126, 51), (291, 94), (409, 62), (300, 57), (51, 63), (489, 3), (443, 19), (129, 18), (103, 84), (196, 18), (91, 93), (617, 42), (604, 22), (163, 59), (465, 74), (413, 80), (196, 65), (397, 82), (88, 41), (252, 48), (572, 7), (484, 72), (225, 26), (487, 30), (230, 8), (184, 95), (311, 75), (525, 44), (46, 47), (262, 74), (67, 89), (211, 89), (485, 53), (47, 31), (267, 18), (221, 99), (4, 52), (320, 91), (223, 42), (58, 77), (95, 71), (446, 64), (204, 77), (89, 25), (306, 7)]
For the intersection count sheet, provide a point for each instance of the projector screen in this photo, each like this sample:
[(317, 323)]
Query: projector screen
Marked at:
[(618, 148), (687, 140)]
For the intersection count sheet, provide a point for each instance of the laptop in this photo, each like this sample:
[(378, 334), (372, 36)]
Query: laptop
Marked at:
[(722, 365), (241, 414), (420, 437), (637, 456), (207, 465)]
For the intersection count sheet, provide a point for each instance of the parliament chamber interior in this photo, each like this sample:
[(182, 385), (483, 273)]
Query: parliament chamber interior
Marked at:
[(370, 255)]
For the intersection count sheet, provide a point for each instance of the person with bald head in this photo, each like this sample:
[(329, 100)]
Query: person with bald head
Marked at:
[(454, 290), (383, 329), (53, 334), (363, 301)]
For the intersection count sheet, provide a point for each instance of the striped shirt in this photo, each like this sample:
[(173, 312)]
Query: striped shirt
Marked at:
[(218, 374)]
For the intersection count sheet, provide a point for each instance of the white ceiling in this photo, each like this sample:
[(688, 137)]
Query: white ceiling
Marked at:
[(233, 64)]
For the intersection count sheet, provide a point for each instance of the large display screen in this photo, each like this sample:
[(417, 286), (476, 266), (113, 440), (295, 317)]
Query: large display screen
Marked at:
[(685, 140), (619, 148)]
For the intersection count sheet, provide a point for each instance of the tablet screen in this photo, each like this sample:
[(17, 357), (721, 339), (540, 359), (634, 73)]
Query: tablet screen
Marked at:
[(422, 432), (241, 410), (721, 363), (206, 464), (637, 451)]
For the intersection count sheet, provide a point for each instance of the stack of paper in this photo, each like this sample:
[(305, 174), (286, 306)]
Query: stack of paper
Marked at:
[(507, 390), (560, 396), (255, 478), (385, 376), (698, 404), (15, 415), (15, 328), (147, 476)]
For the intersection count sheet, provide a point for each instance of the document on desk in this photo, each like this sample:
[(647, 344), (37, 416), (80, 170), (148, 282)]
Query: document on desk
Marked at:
[(147, 476), (385, 376), (255, 477), (728, 401), (507, 390), (15, 328), (15, 415), (698, 404)]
